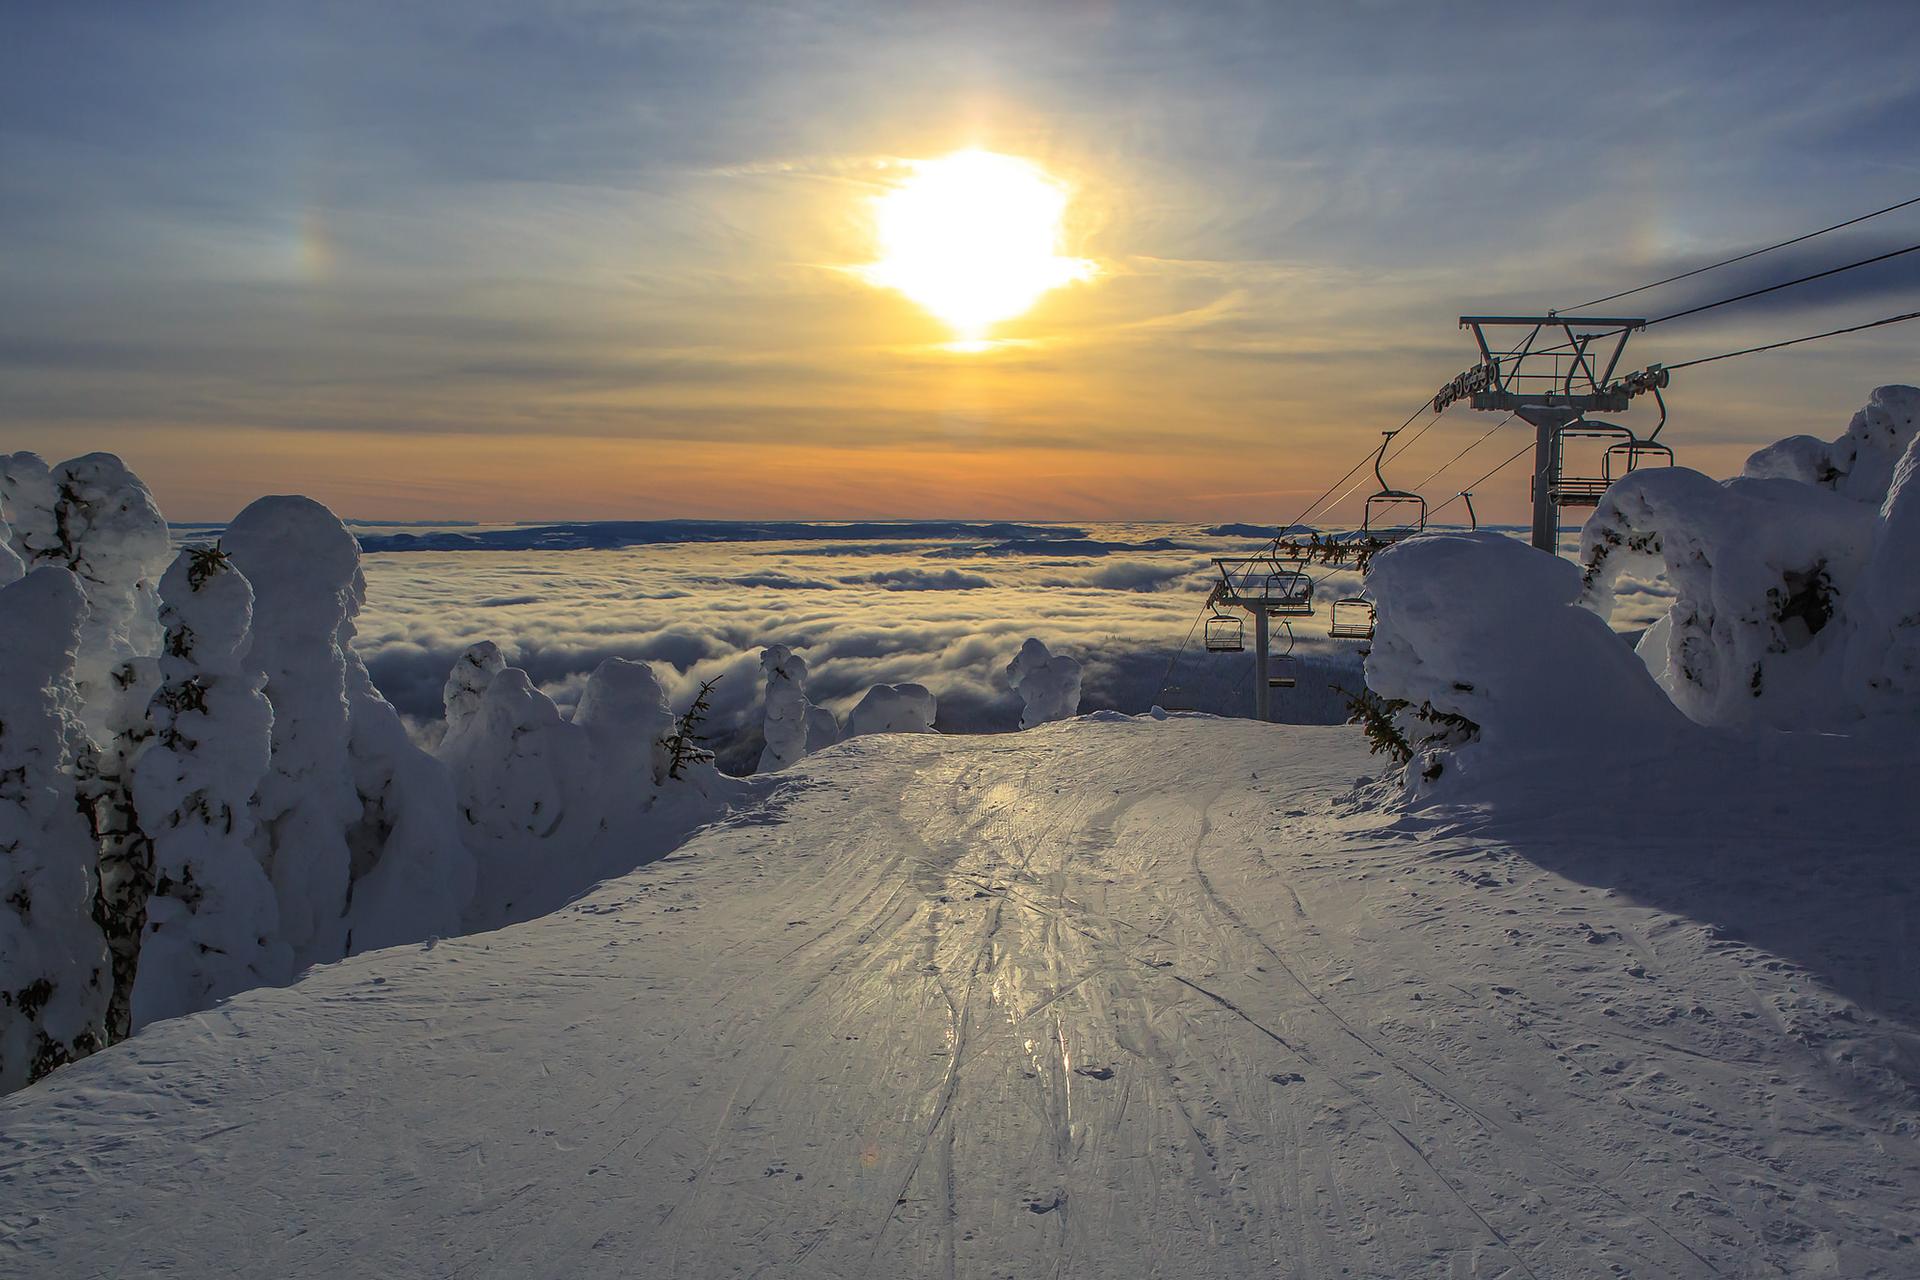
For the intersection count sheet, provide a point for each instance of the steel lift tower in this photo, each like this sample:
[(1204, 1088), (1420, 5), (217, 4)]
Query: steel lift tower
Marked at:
[(1547, 371)]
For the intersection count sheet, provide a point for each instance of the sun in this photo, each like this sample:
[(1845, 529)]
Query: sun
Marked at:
[(973, 237)]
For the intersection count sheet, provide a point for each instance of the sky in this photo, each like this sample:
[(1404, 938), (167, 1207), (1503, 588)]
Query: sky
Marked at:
[(599, 260)]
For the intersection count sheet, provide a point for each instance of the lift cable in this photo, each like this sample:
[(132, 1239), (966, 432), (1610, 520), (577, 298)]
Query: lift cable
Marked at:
[(1752, 293), (1752, 253), (1790, 342), (1274, 545), (1784, 284), (1521, 453), (1475, 443)]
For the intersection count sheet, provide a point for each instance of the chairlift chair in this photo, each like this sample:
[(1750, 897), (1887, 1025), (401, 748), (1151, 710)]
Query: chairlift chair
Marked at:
[(1571, 488), (1392, 514), (1628, 456), (1225, 634), (1283, 657), (1287, 591), (1352, 619)]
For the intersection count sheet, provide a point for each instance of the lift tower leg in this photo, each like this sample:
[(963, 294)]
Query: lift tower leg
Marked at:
[(1547, 419), (1262, 691)]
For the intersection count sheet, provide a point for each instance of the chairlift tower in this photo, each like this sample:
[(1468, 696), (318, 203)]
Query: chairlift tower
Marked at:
[(1545, 370), (1269, 588)]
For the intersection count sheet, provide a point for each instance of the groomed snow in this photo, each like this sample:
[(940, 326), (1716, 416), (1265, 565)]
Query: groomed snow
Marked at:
[(1112, 998)]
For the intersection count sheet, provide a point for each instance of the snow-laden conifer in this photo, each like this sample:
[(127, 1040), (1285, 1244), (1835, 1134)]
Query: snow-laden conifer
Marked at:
[(1048, 684), (93, 516), (1795, 583), (350, 809), (212, 923), (795, 727), (55, 971)]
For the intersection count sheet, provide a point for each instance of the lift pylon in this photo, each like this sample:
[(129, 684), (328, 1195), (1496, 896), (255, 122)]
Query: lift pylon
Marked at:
[(1550, 386)]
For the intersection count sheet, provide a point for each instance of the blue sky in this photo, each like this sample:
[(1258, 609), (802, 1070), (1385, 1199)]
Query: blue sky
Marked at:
[(534, 260)]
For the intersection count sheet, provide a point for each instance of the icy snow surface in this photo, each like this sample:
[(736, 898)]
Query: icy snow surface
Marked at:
[(1111, 998)]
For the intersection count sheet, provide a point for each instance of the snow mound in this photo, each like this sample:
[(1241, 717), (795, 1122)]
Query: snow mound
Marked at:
[(795, 727), (893, 708), (1484, 629), (1797, 584), (1048, 685)]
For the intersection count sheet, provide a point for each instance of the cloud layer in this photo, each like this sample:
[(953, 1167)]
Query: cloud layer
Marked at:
[(861, 613)]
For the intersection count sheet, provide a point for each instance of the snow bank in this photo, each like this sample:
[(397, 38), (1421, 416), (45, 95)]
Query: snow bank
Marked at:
[(1049, 686), (1485, 640), (55, 971), (893, 708), (795, 727), (1796, 585), (212, 924)]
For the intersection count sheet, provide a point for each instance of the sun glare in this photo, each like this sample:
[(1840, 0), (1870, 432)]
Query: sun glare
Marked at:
[(974, 237)]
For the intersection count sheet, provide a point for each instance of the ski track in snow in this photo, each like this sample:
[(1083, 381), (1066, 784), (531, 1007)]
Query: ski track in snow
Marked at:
[(1105, 999)]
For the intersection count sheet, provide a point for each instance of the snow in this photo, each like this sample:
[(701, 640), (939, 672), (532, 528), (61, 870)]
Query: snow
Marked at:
[(794, 726), (55, 972), (1481, 626), (1795, 584), (550, 805), (1048, 685), (212, 924), (1115, 998), (305, 569), (893, 708)]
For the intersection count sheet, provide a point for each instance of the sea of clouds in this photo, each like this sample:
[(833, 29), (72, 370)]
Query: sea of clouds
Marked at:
[(947, 607)]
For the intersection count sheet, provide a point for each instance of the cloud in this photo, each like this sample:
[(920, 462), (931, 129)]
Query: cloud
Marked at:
[(1137, 575), (699, 611), (860, 614), (919, 580)]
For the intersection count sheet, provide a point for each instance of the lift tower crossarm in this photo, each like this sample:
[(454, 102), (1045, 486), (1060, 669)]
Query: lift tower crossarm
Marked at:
[(1511, 379)]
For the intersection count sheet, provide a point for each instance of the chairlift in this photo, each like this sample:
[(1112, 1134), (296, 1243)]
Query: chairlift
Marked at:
[(1574, 487), (1352, 619), (1284, 657), (1225, 632), (1392, 514), (1287, 592), (1628, 456), (1473, 519)]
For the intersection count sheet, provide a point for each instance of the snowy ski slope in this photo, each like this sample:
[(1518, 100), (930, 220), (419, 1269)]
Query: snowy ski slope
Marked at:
[(1111, 998)]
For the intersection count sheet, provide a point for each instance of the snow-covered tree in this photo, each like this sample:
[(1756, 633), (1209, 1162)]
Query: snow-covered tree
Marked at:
[(305, 570), (1794, 583), (893, 708), (212, 924), (795, 727), (1483, 649), (55, 970), (94, 517), (625, 715), (1048, 684), (350, 809)]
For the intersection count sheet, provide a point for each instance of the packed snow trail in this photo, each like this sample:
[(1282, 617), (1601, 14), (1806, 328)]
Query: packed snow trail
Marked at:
[(1111, 998)]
